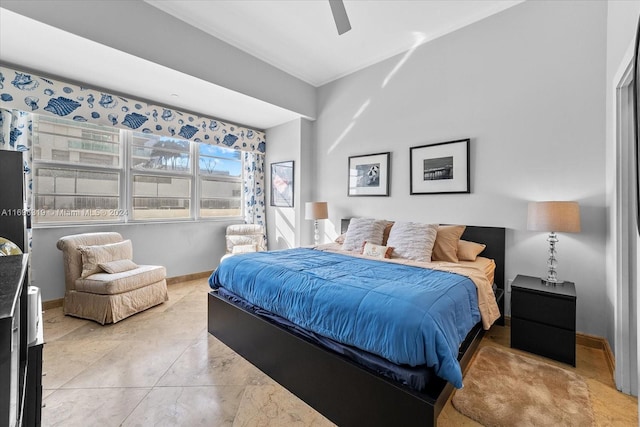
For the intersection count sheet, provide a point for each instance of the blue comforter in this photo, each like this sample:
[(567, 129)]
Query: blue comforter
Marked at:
[(408, 315)]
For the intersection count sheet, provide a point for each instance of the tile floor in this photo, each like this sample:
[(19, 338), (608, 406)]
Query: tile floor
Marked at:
[(162, 368)]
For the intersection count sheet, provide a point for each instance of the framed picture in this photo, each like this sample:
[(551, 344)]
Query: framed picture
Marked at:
[(440, 168), (369, 175), (282, 184)]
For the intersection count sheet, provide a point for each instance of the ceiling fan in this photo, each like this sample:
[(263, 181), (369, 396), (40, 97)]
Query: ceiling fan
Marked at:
[(340, 16)]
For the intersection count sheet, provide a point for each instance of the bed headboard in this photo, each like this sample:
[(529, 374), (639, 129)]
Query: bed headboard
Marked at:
[(494, 238)]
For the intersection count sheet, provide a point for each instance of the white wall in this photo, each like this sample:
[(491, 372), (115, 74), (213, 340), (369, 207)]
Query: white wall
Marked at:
[(286, 227), (183, 248), (282, 222), (527, 86)]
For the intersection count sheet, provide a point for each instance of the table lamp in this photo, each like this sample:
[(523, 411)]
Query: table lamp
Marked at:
[(552, 217), (316, 211)]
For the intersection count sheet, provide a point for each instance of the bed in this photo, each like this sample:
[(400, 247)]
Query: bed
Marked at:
[(340, 386)]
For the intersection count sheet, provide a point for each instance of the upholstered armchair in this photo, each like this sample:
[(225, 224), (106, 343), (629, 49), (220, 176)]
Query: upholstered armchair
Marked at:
[(242, 238), (103, 283)]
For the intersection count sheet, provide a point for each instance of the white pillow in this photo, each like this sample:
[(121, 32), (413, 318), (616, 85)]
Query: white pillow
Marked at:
[(243, 249), (361, 230), (412, 240)]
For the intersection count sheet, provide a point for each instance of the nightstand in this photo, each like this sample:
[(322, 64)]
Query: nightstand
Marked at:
[(543, 318)]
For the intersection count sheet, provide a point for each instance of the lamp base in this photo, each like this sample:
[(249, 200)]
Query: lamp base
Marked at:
[(548, 282), (552, 262), (316, 233)]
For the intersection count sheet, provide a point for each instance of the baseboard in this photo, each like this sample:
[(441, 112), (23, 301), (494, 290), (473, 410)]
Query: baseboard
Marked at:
[(55, 303), (187, 277), (590, 341), (611, 360), (599, 343)]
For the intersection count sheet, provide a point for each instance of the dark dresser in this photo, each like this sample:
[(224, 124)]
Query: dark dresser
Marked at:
[(543, 318), (21, 329), (13, 338)]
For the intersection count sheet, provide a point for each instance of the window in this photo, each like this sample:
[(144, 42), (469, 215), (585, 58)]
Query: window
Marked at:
[(77, 171), (220, 173), (162, 177), (83, 172)]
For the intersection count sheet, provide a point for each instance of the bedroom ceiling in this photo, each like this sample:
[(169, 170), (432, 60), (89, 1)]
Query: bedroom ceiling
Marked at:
[(298, 37)]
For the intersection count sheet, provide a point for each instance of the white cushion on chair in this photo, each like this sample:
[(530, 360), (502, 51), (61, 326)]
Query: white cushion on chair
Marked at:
[(243, 249), (245, 234), (244, 238)]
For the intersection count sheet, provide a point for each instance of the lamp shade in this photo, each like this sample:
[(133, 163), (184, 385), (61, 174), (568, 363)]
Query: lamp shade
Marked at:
[(554, 216), (316, 210)]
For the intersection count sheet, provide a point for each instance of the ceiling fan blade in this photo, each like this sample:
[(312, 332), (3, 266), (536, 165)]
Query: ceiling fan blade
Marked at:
[(340, 16)]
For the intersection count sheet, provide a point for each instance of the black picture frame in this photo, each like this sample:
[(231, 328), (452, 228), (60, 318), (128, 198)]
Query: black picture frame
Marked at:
[(369, 175), (282, 184), (441, 168)]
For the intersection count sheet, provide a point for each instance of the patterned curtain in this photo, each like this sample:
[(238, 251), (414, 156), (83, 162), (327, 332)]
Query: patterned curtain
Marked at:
[(253, 184), (42, 95), (30, 92), (15, 135)]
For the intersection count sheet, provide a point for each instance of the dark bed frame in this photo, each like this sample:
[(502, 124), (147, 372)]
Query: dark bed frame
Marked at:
[(341, 390)]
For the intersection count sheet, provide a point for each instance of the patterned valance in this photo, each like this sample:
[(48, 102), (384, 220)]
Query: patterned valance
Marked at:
[(30, 92)]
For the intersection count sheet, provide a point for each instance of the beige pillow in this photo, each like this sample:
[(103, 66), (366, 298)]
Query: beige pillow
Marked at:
[(469, 251), (412, 240), (243, 249), (340, 238), (118, 266), (446, 246), (92, 256), (377, 251)]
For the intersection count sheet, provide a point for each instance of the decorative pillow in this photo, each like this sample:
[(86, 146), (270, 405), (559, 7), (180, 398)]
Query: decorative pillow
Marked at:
[(340, 238), (118, 266), (243, 249), (412, 240), (446, 246), (361, 229), (377, 251), (92, 256), (469, 251)]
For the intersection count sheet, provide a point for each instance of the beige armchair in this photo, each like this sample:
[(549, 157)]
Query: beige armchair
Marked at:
[(103, 283), (244, 238)]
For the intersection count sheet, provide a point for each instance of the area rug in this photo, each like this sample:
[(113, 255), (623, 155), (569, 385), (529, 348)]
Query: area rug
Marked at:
[(506, 389)]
